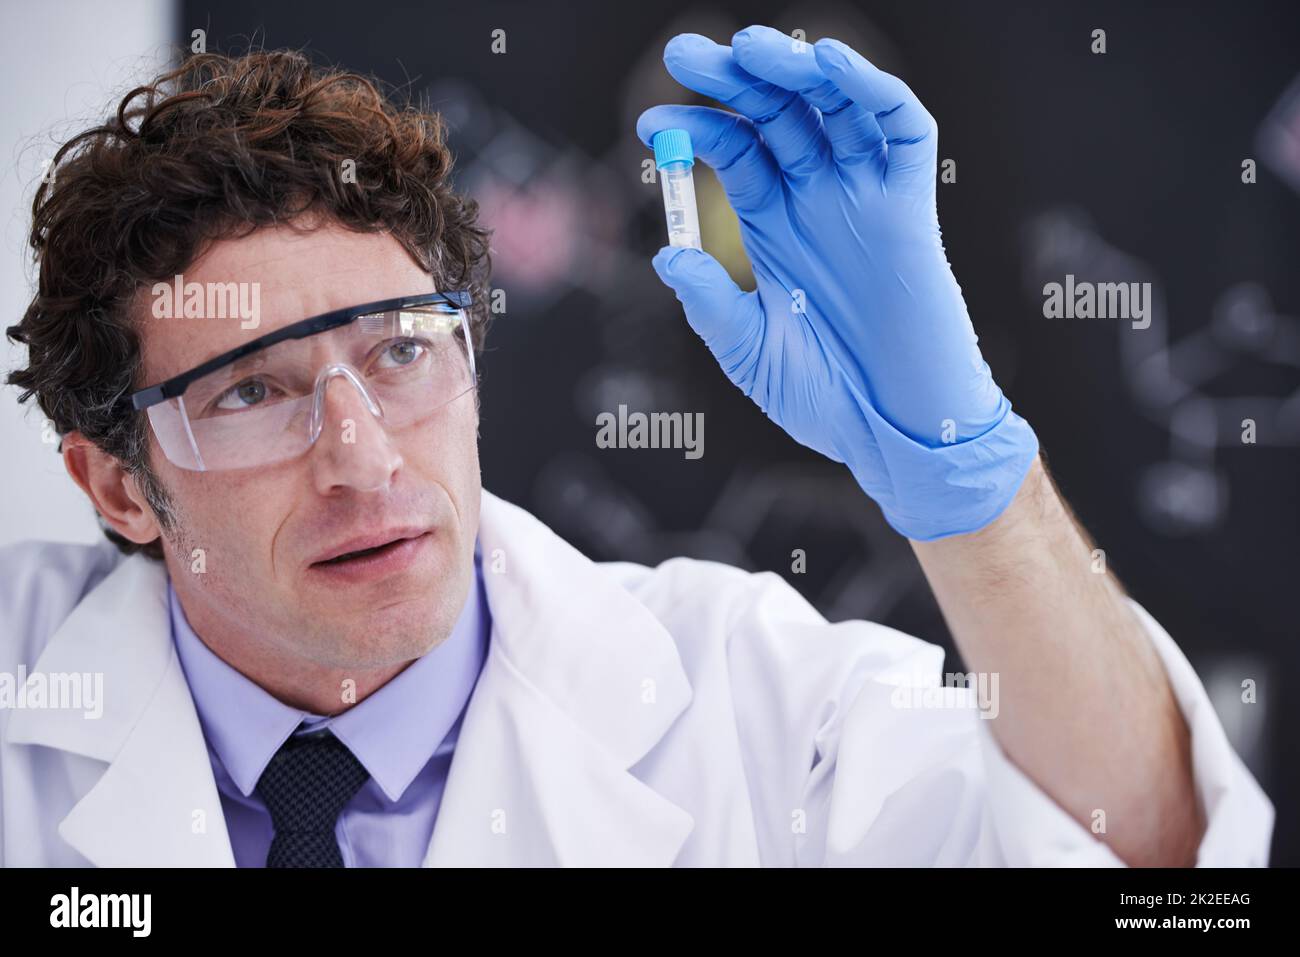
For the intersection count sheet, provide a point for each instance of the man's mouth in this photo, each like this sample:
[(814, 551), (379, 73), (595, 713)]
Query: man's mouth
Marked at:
[(368, 546), (363, 563), (348, 556)]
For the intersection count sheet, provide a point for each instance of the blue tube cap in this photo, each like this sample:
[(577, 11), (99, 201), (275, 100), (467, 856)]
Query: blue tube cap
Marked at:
[(673, 146)]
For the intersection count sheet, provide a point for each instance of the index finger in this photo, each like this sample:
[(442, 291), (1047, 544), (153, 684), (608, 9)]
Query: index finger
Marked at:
[(699, 64), (789, 125)]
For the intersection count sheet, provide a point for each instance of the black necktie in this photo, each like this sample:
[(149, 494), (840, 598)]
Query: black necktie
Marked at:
[(305, 787)]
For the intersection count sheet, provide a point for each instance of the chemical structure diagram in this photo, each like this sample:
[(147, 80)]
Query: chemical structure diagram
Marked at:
[(1188, 493)]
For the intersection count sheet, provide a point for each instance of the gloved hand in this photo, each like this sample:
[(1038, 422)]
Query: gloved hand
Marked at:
[(857, 341)]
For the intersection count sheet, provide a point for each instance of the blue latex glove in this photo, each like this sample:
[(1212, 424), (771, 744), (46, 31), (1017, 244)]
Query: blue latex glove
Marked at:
[(857, 341)]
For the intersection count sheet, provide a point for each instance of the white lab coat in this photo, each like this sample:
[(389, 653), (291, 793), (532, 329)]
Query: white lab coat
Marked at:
[(689, 714)]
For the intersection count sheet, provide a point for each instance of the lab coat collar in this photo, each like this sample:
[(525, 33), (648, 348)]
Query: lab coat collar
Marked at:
[(580, 683)]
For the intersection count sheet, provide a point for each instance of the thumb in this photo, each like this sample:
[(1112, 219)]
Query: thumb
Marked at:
[(718, 310)]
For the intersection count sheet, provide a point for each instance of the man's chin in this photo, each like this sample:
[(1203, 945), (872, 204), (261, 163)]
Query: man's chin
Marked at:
[(388, 620), (392, 629), (380, 645)]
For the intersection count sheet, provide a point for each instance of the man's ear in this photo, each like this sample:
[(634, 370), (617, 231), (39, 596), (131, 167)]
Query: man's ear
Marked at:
[(111, 489)]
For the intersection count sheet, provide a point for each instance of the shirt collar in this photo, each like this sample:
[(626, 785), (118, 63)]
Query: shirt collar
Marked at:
[(393, 732)]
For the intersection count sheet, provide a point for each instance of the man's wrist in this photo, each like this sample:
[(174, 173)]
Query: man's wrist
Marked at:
[(1035, 538), (1028, 509), (929, 493)]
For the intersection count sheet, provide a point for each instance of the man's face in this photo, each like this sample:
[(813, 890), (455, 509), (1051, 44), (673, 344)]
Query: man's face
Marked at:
[(261, 530)]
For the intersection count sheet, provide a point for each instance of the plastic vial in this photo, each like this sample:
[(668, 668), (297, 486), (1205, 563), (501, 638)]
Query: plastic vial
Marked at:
[(674, 158)]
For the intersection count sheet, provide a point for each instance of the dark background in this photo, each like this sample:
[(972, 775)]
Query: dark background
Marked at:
[(1114, 167)]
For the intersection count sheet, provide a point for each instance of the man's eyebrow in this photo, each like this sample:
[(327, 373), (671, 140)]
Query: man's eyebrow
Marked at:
[(245, 363), (255, 357), (250, 361)]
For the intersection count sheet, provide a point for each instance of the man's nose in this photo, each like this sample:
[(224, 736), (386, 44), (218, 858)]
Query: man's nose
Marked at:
[(353, 448)]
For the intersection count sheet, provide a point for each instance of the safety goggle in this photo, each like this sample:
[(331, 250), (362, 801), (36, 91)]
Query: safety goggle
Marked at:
[(264, 401)]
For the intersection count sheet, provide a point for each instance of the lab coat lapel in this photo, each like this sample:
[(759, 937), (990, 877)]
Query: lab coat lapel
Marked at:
[(580, 683), (157, 802)]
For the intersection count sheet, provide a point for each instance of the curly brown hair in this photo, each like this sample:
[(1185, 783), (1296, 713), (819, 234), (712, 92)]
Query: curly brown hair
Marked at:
[(213, 149)]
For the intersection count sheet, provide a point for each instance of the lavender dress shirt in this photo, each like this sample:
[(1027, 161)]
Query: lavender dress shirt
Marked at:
[(404, 734)]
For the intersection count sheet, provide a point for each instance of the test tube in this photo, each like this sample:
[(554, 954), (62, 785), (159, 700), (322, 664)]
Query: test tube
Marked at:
[(674, 158)]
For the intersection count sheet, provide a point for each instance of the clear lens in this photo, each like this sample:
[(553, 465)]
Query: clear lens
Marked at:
[(259, 409)]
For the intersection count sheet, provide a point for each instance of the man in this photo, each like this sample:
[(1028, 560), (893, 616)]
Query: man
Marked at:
[(327, 645)]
